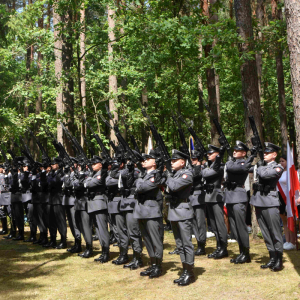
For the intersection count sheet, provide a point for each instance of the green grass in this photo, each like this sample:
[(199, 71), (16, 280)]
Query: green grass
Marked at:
[(32, 272)]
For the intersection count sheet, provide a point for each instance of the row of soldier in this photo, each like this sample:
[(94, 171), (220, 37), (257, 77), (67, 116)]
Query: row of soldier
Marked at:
[(129, 201)]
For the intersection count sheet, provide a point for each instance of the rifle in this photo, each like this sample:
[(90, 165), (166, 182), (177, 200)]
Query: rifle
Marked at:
[(45, 156), (26, 151), (198, 145), (256, 142), (159, 141), (132, 138), (185, 147), (113, 146), (222, 139), (130, 154), (89, 146), (77, 146), (105, 152), (7, 163)]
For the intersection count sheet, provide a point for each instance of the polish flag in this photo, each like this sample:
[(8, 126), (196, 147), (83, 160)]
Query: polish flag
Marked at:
[(292, 189)]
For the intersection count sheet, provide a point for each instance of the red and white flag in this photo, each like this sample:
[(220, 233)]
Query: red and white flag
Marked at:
[(292, 189)]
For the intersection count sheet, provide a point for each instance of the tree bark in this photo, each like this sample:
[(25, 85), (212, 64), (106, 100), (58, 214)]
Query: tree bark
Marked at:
[(277, 15), (292, 13), (58, 69), (112, 80)]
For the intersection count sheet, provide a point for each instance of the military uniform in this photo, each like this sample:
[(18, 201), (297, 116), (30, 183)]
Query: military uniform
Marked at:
[(149, 214), (5, 199), (181, 216), (266, 201), (117, 217), (197, 200), (214, 199), (97, 207), (57, 215), (236, 199)]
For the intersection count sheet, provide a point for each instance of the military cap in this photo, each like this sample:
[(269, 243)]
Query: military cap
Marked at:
[(240, 146), (38, 164), (152, 154), (96, 159), (212, 149), (74, 160), (26, 162), (269, 147), (137, 154), (56, 160), (176, 154), (196, 154)]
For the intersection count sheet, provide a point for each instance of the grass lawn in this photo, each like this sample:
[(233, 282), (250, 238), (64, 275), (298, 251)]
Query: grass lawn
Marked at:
[(32, 272)]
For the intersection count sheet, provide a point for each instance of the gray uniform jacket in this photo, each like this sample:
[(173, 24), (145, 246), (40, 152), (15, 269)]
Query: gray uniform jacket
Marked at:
[(55, 187), (267, 175), (15, 187), (179, 187), (5, 195), (25, 179), (114, 194), (237, 173), (95, 186), (39, 187), (79, 191), (128, 200), (197, 196), (148, 196), (68, 193), (213, 176)]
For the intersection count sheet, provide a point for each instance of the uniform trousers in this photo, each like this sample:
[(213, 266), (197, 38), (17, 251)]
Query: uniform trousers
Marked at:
[(84, 224), (134, 232), (199, 224), (57, 219), (237, 218), (182, 231), (101, 220), (217, 222), (18, 214), (70, 211), (122, 230), (28, 207), (113, 227), (269, 222), (38, 212), (151, 230)]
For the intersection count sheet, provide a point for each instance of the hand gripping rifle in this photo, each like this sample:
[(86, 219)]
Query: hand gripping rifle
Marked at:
[(77, 146), (159, 141), (185, 147), (105, 152), (45, 156), (256, 142), (198, 143), (222, 139), (132, 138)]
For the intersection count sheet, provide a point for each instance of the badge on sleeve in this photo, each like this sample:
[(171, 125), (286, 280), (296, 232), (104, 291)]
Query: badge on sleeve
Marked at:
[(184, 176), (152, 179), (278, 170), (98, 177), (242, 164)]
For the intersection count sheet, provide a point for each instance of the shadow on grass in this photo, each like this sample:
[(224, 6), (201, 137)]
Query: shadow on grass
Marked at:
[(294, 257)]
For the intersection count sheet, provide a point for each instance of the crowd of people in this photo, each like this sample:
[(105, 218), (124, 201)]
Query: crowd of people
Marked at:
[(125, 203)]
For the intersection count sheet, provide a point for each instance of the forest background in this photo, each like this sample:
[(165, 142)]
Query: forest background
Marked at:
[(68, 58)]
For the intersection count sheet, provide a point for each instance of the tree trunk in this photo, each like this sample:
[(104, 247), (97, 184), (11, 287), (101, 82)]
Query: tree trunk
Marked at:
[(58, 69), (292, 13), (277, 15), (145, 131), (112, 80), (250, 91)]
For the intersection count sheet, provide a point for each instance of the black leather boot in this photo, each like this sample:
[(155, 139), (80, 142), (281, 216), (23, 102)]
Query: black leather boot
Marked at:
[(131, 262), (157, 270), (271, 262), (40, 239), (123, 259), (138, 261), (10, 236), (175, 251), (279, 264), (63, 243), (4, 226), (77, 247), (223, 251), (20, 237), (88, 251), (245, 258), (104, 257), (44, 241), (184, 271), (148, 271), (201, 249), (213, 255), (52, 243), (233, 260), (31, 239), (189, 277)]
